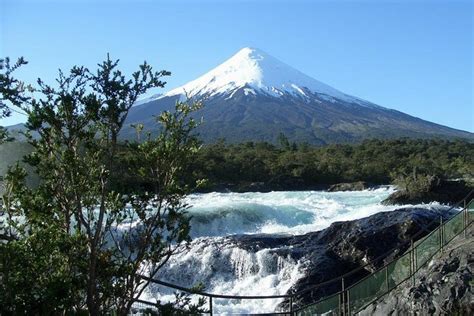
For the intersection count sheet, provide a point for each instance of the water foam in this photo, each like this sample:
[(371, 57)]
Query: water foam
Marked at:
[(228, 269), (224, 267), (291, 212)]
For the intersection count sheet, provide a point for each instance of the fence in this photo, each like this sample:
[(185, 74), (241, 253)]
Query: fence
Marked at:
[(359, 294)]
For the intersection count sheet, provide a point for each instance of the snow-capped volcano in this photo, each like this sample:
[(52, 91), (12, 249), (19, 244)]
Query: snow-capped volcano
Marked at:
[(254, 97), (256, 72)]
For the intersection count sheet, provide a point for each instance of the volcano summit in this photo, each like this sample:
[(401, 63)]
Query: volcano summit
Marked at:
[(254, 97)]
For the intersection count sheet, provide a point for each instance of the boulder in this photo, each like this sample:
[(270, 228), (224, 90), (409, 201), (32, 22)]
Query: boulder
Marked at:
[(445, 191), (349, 186)]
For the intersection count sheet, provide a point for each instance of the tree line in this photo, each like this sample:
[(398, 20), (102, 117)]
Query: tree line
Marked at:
[(291, 166)]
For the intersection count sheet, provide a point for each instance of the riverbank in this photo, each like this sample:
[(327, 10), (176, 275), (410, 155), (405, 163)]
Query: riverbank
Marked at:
[(283, 242)]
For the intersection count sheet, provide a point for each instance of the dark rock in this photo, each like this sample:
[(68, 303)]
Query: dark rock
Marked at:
[(253, 187), (345, 246), (352, 186), (280, 183), (446, 191), (443, 287)]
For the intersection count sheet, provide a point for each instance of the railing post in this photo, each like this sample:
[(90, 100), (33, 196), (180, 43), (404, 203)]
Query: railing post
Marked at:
[(441, 233), (412, 262), (210, 306), (291, 306), (340, 304), (343, 305), (348, 302), (415, 258), (465, 219)]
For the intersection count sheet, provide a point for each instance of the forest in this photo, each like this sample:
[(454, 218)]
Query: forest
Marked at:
[(261, 166)]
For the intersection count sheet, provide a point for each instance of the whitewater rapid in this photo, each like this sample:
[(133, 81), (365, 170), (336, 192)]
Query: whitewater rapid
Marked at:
[(288, 212), (224, 267)]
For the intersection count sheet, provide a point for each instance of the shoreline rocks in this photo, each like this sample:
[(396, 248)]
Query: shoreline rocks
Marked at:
[(445, 192), (443, 287), (345, 246), (349, 186), (293, 186)]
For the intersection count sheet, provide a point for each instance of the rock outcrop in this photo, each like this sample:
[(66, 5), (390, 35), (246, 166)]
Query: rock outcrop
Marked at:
[(351, 186), (344, 246), (443, 287), (446, 191)]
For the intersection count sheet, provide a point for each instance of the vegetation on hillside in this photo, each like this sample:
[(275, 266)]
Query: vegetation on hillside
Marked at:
[(264, 166), (412, 164)]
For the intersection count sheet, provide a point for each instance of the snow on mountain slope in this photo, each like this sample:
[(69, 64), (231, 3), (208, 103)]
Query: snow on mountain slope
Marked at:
[(148, 99), (258, 72), (254, 97)]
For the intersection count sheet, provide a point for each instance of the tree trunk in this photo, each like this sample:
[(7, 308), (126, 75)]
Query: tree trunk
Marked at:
[(93, 304)]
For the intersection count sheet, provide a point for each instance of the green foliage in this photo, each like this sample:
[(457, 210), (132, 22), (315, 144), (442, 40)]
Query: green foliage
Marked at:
[(237, 165), (12, 92), (11, 89), (240, 167), (38, 274), (415, 183), (93, 245), (183, 304)]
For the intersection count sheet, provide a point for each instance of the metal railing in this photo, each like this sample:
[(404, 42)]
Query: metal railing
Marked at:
[(353, 292), (212, 296)]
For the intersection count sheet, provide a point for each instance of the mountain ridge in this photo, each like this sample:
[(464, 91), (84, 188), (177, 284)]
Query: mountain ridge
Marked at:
[(253, 96), (257, 70)]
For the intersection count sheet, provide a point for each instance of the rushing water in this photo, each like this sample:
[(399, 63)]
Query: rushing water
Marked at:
[(225, 268), (292, 212)]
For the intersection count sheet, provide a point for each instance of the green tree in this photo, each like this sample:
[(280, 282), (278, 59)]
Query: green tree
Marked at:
[(116, 236), (12, 91), (283, 141)]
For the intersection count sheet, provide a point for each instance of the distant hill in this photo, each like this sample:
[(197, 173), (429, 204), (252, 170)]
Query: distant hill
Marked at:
[(254, 97), (13, 152)]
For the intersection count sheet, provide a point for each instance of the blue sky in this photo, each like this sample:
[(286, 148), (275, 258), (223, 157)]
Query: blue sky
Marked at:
[(413, 56)]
